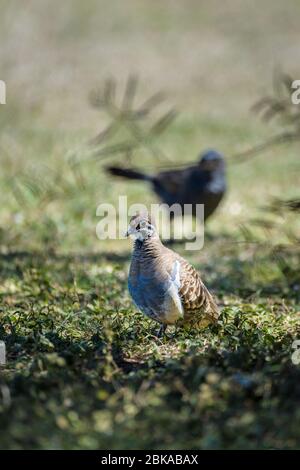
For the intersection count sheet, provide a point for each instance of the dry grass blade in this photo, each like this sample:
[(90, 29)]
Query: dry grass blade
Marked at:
[(163, 122), (75, 167), (109, 93), (279, 205), (106, 133), (280, 138), (122, 147), (96, 99), (281, 102), (261, 104), (148, 106), (130, 92), (273, 110), (18, 192)]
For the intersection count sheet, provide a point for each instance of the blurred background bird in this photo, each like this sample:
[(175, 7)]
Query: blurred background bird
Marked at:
[(163, 285), (202, 183)]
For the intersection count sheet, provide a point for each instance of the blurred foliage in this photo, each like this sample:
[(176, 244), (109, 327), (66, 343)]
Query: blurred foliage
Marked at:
[(277, 106), (280, 105), (83, 368), (85, 371), (276, 233), (141, 127)]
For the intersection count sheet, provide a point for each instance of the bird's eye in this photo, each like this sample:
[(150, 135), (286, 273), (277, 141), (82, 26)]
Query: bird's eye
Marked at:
[(138, 227)]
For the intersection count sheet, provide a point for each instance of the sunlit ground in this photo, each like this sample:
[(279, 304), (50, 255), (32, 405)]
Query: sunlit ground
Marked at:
[(83, 367)]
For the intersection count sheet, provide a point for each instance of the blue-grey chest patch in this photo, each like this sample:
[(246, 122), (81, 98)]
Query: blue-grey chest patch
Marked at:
[(158, 300)]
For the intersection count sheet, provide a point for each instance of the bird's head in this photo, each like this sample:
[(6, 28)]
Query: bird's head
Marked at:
[(141, 227), (211, 160)]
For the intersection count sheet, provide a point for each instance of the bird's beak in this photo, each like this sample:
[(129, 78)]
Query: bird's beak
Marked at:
[(128, 232)]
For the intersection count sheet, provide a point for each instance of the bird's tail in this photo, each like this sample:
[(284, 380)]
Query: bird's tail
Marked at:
[(210, 312), (210, 307), (128, 173)]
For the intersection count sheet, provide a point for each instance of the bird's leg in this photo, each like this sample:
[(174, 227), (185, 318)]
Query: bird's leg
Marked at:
[(161, 330)]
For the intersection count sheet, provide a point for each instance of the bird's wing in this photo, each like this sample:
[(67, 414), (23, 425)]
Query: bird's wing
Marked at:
[(171, 181), (198, 304)]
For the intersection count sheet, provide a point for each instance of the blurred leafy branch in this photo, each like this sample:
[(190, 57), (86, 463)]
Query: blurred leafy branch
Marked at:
[(277, 105), (280, 237), (39, 186), (142, 123), (286, 254), (144, 131)]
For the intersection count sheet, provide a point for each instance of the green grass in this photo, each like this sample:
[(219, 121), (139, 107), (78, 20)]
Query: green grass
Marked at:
[(84, 369)]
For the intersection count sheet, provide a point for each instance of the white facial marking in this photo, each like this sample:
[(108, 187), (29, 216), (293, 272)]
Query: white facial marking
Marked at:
[(144, 230)]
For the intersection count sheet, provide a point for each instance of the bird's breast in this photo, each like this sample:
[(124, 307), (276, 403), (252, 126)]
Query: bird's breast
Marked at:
[(154, 292)]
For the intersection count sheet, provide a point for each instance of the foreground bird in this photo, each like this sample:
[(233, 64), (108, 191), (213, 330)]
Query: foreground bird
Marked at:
[(202, 183), (163, 285)]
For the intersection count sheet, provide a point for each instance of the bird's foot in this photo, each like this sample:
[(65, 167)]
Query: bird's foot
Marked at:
[(161, 331)]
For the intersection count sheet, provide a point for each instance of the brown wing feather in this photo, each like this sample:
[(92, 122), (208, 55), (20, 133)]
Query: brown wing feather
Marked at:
[(199, 306)]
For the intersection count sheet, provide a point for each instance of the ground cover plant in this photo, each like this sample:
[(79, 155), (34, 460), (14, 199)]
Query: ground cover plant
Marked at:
[(84, 369)]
